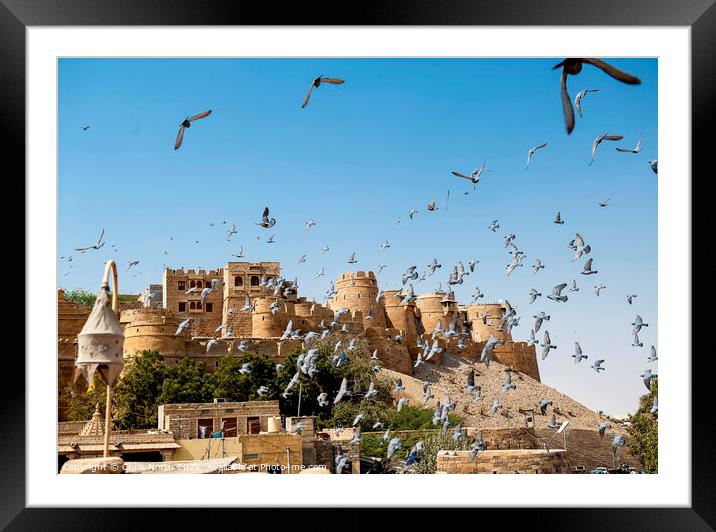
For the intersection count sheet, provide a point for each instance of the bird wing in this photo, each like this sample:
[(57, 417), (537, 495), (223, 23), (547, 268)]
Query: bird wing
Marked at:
[(578, 240), (180, 137), (577, 348), (567, 104), (625, 150), (100, 237), (458, 174), (557, 289), (200, 115), (335, 81), (612, 71), (588, 265), (308, 96), (613, 137)]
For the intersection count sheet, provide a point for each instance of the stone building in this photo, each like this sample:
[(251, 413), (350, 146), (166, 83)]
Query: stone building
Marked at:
[(386, 324)]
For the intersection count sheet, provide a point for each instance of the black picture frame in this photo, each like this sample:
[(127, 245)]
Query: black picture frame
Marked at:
[(699, 15)]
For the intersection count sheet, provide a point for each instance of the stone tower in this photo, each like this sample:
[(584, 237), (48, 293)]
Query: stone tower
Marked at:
[(402, 317), (482, 331), (153, 329), (358, 291), (436, 307), (266, 323)]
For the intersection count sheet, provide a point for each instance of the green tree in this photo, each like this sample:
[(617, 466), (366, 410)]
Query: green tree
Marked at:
[(230, 383), (644, 431), (438, 441), (186, 383), (136, 395), (82, 401), (83, 297)]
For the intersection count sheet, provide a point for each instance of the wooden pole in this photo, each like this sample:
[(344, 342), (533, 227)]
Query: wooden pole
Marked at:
[(110, 266), (107, 421)]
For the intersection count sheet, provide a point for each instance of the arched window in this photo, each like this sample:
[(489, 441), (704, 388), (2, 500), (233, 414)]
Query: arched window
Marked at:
[(192, 305), (198, 284), (254, 280), (198, 305), (192, 283), (238, 281)]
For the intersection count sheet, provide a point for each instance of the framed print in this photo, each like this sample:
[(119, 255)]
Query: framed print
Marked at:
[(439, 249)]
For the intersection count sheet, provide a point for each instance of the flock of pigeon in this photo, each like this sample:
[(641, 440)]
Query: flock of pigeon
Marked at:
[(457, 275)]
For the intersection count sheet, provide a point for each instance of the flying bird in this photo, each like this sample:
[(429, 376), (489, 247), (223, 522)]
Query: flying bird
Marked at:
[(635, 149), (558, 219), (573, 66), (266, 222), (532, 152), (317, 83), (599, 140), (580, 96), (556, 294), (98, 244), (578, 355), (654, 166), (187, 123), (588, 268)]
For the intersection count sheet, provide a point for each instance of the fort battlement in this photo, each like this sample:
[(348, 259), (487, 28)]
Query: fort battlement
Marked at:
[(347, 276), (201, 273)]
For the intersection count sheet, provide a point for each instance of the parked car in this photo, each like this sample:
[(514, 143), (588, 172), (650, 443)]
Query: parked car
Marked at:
[(600, 471)]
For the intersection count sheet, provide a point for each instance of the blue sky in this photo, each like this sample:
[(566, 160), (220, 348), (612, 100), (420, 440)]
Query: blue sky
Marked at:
[(357, 158)]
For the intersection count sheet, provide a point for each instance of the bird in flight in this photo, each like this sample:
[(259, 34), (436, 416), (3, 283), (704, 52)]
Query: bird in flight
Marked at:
[(599, 140), (635, 149), (580, 96), (317, 83), (266, 222), (573, 66), (532, 152), (474, 177), (187, 123), (96, 245), (84, 128)]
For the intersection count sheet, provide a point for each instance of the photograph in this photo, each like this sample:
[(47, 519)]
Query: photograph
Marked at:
[(358, 265)]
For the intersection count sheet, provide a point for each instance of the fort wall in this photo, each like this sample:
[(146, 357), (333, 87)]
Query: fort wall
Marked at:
[(528, 461), (482, 331), (358, 291)]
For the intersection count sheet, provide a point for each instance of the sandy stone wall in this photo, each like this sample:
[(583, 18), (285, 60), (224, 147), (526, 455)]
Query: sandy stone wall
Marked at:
[(182, 419), (358, 292), (528, 461), (586, 448), (482, 331), (207, 316), (71, 318), (393, 355), (402, 317)]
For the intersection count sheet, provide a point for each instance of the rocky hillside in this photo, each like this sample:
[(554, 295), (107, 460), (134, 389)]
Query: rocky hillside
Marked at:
[(450, 377)]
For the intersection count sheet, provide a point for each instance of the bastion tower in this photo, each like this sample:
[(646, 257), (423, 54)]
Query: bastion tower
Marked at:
[(358, 292), (483, 328)]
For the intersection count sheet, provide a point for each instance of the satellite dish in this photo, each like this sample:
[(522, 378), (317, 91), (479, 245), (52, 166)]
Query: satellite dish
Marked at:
[(562, 426)]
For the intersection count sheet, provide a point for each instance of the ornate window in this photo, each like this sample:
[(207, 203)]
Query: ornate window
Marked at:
[(192, 283), (254, 280), (192, 306), (181, 285), (238, 281)]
